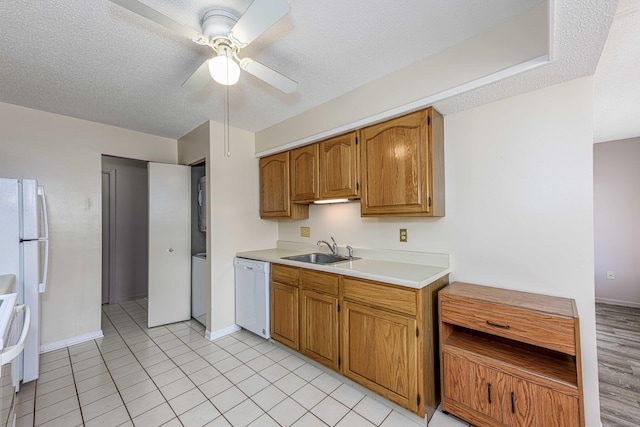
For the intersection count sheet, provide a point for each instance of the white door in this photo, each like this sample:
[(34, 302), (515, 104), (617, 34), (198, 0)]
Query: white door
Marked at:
[(169, 243)]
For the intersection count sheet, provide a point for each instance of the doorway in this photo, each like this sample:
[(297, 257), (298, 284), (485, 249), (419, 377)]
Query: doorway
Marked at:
[(199, 276), (124, 229)]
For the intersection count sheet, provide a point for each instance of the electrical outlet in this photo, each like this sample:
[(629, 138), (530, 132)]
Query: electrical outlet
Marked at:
[(611, 275), (403, 234), (305, 231)]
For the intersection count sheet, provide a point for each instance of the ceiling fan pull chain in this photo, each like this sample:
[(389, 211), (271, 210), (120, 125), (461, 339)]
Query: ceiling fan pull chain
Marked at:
[(226, 119)]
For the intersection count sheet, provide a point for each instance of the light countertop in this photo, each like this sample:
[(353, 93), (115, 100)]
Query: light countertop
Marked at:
[(380, 265), (7, 305), (7, 283)]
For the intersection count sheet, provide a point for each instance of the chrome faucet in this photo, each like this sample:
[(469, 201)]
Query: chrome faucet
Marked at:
[(334, 247)]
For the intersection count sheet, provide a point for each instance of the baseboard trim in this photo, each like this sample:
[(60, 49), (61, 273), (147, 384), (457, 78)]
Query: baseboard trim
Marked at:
[(617, 302), (221, 332), (45, 348)]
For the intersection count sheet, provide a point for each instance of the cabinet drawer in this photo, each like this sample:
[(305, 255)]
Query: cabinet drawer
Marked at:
[(540, 329), (380, 295), (284, 274), (323, 282)]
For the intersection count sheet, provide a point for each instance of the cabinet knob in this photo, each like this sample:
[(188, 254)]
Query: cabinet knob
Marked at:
[(170, 250)]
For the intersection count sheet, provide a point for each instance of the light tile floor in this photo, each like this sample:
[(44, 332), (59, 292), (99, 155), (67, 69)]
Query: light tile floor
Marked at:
[(172, 376)]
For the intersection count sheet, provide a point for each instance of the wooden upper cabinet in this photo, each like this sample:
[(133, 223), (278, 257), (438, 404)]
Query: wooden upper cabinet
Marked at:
[(304, 174), (275, 197), (339, 167), (403, 166)]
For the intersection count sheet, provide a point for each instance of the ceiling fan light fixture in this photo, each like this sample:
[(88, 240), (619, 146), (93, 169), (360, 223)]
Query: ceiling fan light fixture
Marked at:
[(223, 68)]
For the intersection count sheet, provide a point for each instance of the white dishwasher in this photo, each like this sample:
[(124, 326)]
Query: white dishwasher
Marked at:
[(252, 296)]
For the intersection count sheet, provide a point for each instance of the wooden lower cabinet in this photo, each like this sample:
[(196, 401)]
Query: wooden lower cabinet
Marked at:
[(381, 352), (284, 314), (319, 327), (380, 335)]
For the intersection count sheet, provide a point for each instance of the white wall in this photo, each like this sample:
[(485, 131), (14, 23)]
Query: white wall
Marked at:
[(235, 216), (519, 203), (616, 177), (64, 154), (511, 44), (233, 211)]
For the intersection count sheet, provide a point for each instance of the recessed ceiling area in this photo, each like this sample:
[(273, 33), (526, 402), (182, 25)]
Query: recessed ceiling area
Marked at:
[(617, 78), (100, 62)]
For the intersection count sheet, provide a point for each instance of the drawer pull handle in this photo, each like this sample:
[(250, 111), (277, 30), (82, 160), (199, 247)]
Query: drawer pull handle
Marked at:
[(489, 392), (513, 404), (498, 325)]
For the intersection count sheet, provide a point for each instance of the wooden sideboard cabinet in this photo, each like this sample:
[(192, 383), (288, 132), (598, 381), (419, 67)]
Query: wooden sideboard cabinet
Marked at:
[(510, 358)]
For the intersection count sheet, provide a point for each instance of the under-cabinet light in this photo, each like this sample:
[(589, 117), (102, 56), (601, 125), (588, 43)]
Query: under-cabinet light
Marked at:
[(325, 202)]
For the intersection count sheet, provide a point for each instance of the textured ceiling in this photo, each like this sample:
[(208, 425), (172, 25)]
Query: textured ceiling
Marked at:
[(581, 29), (97, 61), (617, 78)]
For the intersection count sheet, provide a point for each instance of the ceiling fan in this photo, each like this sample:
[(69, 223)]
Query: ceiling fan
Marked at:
[(226, 33)]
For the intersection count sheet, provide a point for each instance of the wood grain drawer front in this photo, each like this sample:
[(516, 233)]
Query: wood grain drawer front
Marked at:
[(389, 297), (322, 282), (540, 329), (285, 274)]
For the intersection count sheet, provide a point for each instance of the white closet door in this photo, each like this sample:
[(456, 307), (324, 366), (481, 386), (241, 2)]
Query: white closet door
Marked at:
[(169, 243)]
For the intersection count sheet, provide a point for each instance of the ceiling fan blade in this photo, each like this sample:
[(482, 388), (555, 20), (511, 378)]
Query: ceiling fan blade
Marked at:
[(259, 16), (157, 17), (266, 74), (199, 78)]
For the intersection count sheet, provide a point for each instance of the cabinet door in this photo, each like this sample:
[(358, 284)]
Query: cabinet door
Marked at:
[(395, 167), (380, 352), (528, 404), (284, 314), (478, 387), (274, 186), (339, 167), (304, 174), (319, 327), (275, 198)]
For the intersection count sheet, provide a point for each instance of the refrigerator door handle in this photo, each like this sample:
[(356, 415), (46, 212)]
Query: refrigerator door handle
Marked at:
[(43, 205), (10, 353), (42, 287)]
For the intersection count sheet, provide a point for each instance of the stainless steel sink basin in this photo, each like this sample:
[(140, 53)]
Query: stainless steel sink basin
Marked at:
[(320, 258)]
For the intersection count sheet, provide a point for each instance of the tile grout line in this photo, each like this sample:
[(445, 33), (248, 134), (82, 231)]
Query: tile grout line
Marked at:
[(109, 370), (138, 361), (35, 395)]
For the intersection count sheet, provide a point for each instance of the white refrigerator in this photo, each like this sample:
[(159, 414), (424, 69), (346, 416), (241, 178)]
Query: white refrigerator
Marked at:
[(24, 252)]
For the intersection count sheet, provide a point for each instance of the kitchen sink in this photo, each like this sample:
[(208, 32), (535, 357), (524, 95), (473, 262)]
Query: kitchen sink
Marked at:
[(320, 258)]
